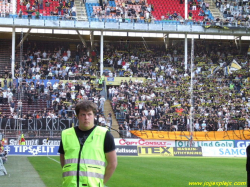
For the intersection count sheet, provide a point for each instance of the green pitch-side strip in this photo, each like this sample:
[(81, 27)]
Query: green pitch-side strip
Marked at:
[(20, 173)]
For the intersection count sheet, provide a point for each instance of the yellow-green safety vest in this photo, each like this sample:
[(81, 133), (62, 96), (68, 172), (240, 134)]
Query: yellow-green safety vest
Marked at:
[(84, 167)]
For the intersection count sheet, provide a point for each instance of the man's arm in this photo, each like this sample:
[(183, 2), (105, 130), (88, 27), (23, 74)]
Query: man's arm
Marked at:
[(111, 165), (62, 160)]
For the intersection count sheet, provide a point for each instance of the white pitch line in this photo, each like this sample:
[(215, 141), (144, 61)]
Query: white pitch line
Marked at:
[(54, 160)]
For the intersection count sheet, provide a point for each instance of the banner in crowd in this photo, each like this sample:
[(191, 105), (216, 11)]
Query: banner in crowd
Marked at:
[(52, 81), (216, 27), (197, 135), (34, 150), (241, 143), (37, 124), (141, 142), (223, 143), (224, 151), (126, 150), (35, 141)]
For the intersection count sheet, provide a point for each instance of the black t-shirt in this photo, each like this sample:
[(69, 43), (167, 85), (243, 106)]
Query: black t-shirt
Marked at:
[(109, 144)]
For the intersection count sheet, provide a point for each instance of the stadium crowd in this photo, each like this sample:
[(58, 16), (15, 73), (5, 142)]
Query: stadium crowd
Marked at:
[(64, 9), (55, 77), (234, 12), (161, 102), (126, 10), (39, 8)]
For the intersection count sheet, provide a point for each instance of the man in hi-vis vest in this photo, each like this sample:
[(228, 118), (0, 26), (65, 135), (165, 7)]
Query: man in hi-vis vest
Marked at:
[(87, 152)]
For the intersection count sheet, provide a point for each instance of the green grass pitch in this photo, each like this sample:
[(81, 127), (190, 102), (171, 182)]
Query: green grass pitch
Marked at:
[(157, 171)]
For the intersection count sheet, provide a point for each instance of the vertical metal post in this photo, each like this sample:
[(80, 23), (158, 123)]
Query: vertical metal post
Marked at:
[(240, 44), (191, 95), (186, 52), (92, 41), (101, 54), (20, 78), (13, 52), (14, 7), (186, 9)]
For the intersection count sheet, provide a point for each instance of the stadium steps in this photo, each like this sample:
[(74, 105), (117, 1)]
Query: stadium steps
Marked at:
[(5, 54), (80, 11), (108, 109), (215, 11), (39, 106)]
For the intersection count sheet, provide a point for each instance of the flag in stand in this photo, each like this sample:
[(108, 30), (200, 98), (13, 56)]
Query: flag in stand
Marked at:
[(22, 140), (179, 111)]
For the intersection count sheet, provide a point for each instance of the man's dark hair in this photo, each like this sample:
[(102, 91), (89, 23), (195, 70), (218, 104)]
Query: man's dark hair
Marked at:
[(87, 106)]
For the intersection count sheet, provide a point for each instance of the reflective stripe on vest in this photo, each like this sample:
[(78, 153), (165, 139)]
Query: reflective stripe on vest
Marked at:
[(83, 173), (85, 161)]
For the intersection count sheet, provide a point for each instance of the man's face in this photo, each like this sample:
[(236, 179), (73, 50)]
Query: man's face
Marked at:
[(86, 120)]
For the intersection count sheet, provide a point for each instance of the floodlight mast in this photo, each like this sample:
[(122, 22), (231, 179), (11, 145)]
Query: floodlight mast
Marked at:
[(191, 128)]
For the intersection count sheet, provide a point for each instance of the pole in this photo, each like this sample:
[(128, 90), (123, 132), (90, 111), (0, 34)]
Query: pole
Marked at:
[(20, 78), (186, 9), (81, 38), (240, 44), (186, 51), (101, 54), (13, 52), (191, 96), (24, 38), (92, 38)]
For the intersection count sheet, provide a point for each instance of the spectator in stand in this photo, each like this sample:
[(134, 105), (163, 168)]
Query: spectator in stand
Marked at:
[(201, 13), (217, 21), (73, 11), (194, 5), (190, 15), (28, 6), (63, 112), (9, 96), (47, 4), (20, 13), (12, 107), (175, 15), (218, 3)]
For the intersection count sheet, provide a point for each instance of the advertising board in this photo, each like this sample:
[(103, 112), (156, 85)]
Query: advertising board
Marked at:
[(141, 142), (241, 143), (223, 143), (187, 151), (224, 152), (126, 150), (35, 141), (155, 151), (31, 150)]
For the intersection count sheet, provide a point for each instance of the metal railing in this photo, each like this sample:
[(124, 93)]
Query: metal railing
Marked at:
[(160, 26)]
